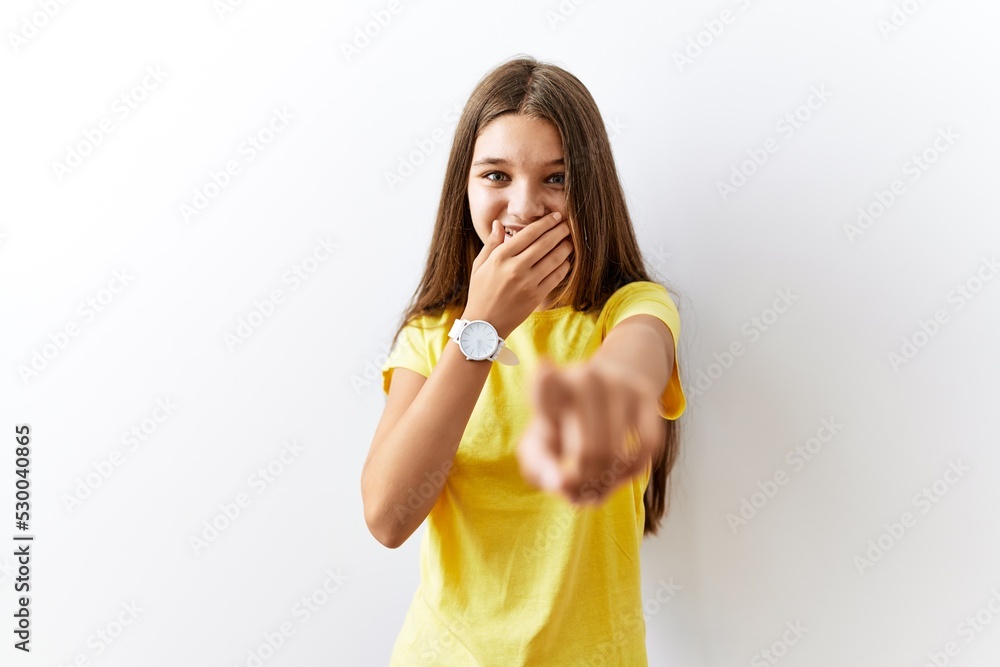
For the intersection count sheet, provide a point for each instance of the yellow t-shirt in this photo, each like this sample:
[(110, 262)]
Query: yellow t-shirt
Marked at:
[(511, 575)]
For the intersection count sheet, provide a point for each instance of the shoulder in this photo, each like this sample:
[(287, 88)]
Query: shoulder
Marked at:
[(429, 323), (640, 289), (640, 297), (638, 292), (418, 344)]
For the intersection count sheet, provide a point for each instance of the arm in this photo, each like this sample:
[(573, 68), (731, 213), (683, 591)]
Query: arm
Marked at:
[(582, 413), (641, 346), (416, 441)]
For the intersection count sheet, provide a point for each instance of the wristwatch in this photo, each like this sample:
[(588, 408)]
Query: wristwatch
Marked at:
[(478, 340)]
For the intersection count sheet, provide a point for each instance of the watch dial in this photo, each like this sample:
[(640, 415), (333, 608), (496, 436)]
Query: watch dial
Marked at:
[(479, 340)]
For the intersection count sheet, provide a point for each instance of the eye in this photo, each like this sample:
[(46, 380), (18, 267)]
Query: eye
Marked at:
[(488, 174)]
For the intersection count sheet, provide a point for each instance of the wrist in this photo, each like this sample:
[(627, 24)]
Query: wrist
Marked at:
[(470, 315)]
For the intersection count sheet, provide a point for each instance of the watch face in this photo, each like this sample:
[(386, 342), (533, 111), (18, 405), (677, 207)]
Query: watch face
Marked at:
[(478, 340)]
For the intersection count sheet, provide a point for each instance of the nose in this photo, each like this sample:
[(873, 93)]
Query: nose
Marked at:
[(525, 204)]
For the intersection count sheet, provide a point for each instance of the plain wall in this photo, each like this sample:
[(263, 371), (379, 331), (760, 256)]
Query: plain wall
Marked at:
[(875, 335)]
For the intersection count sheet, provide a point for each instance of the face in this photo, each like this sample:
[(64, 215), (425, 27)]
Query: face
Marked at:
[(517, 173)]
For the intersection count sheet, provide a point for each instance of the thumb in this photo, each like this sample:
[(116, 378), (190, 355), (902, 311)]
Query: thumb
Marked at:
[(493, 241), (496, 234)]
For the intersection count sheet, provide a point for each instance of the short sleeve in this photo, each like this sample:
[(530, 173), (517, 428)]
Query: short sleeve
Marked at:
[(650, 298), (410, 351)]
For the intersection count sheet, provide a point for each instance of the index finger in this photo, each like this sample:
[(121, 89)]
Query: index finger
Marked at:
[(542, 446), (536, 455), (523, 239)]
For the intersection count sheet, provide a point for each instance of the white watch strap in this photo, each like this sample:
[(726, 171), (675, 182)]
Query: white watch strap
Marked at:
[(456, 328), (507, 357)]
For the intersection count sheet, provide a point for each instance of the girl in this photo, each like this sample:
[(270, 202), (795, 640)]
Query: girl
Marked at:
[(539, 473)]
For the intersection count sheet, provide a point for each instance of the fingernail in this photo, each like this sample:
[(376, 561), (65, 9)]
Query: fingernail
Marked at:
[(557, 216)]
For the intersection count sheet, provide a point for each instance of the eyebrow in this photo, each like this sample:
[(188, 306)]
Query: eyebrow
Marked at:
[(499, 161)]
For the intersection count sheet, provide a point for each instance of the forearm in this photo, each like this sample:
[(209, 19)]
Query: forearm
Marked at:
[(408, 467), (639, 350)]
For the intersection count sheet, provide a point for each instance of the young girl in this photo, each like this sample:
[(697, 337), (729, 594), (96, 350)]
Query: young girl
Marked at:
[(532, 393)]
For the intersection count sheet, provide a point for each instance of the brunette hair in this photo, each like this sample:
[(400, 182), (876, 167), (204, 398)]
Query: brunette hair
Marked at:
[(608, 257)]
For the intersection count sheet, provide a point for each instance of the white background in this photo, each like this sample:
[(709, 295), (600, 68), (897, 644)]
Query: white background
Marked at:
[(308, 372)]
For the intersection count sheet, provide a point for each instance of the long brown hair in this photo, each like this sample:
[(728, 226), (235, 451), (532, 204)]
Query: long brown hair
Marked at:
[(606, 254)]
